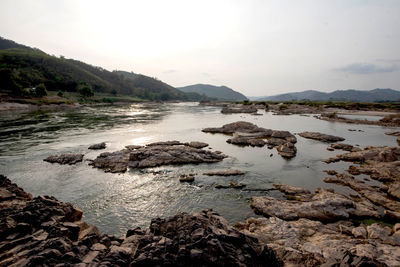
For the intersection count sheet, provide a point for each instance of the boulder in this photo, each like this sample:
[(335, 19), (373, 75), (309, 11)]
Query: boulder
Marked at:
[(287, 150)]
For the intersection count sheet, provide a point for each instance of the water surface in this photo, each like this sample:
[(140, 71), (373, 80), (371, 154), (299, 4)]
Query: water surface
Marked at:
[(117, 202)]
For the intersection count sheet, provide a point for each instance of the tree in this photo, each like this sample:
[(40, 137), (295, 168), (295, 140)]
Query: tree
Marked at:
[(41, 90), (114, 92), (85, 90)]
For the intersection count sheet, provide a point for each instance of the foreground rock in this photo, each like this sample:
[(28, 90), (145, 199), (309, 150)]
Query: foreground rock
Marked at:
[(65, 158), (305, 242), (322, 206), (321, 137), (42, 231), (249, 134), (224, 173), (156, 154)]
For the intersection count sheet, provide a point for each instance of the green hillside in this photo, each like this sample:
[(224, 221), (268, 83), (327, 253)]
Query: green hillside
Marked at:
[(22, 67)]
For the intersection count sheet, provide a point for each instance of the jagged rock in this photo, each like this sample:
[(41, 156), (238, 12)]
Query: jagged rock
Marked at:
[(65, 158), (322, 206), (305, 242), (201, 239), (42, 231), (359, 232), (321, 137), (98, 146), (374, 195), (154, 154), (224, 173)]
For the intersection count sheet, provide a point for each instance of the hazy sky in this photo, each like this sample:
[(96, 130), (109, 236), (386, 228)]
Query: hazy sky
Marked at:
[(255, 47)]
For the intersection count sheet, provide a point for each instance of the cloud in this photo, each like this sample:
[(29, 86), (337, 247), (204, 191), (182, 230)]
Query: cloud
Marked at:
[(388, 60), (366, 68), (169, 71)]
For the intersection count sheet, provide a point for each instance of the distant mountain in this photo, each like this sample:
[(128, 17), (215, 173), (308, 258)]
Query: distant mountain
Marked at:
[(217, 92), (376, 95), (23, 67)]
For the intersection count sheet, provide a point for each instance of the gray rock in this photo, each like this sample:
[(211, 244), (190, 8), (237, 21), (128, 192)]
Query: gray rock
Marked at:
[(321, 137), (65, 158), (98, 146)]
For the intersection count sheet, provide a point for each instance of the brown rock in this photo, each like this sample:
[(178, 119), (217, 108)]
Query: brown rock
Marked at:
[(321, 137), (65, 158)]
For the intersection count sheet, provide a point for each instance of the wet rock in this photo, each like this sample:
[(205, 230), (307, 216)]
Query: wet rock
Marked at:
[(155, 154), (321, 137), (224, 173), (246, 141), (287, 150), (65, 158), (101, 145), (322, 206)]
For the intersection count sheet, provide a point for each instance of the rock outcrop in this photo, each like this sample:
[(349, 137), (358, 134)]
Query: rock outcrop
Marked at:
[(249, 134), (322, 206), (65, 158), (43, 231), (156, 154), (305, 242), (321, 137)]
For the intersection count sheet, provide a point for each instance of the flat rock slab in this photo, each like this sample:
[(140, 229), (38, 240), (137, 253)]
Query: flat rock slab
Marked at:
[(101, 145), (322, 206), (239, 109), (65, 158), (224, 173), (321, 137), (156, 154)]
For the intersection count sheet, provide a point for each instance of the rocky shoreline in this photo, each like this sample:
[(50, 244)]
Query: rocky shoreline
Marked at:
[(43, 231)]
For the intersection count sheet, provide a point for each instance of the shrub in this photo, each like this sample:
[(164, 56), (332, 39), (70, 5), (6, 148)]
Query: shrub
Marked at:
[(85, 90), (60, 94), (40, 90)]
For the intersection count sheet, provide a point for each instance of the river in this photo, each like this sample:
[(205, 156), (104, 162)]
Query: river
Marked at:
[(117, 202)]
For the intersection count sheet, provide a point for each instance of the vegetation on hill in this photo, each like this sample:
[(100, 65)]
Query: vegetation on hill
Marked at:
[(23, 68), (218, 92)]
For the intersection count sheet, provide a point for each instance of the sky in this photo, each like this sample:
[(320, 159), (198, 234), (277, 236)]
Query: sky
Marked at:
[(256, 47)]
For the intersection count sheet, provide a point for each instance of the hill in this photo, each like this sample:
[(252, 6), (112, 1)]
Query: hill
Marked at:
[(23, 67), (375, 95), (217, 92)]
